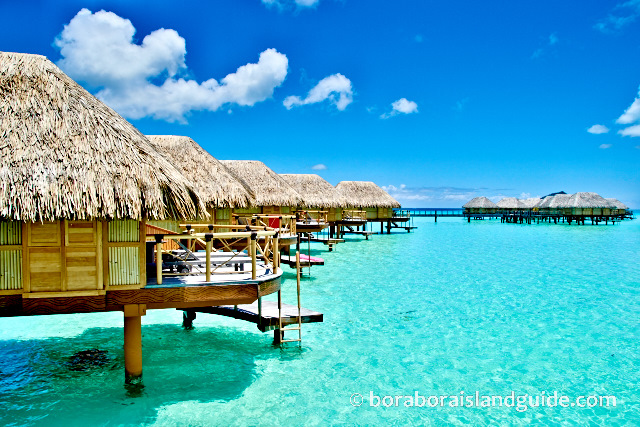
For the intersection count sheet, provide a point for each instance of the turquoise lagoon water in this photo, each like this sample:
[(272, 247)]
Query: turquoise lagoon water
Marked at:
[(452, 307)]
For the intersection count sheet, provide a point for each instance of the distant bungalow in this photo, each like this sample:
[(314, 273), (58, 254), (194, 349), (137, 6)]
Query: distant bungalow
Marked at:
[(376, 203), (556, 207), (274, 202), (321, 202)]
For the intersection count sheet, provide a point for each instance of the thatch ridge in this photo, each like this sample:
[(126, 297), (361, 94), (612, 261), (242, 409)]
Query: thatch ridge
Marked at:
[(480, 202), (553, 202), (215, 185), (616, 204), (268, 188), (511, 203), (65, 154), (587, 200), (366, 194), (530, 202), (314, 190)]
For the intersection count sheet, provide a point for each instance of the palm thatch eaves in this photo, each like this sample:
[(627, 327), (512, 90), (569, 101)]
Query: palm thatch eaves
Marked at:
[(366, 194), (531, 202), (480, 202), (65, 154), (215, 185), (616, 204), (268, 188), (315, 191), (587, 200), (511, 203)]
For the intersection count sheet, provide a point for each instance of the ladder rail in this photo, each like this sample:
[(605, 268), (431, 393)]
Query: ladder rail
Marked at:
[(280, 332)]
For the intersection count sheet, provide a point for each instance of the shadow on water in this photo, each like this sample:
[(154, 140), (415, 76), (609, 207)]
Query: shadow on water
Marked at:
[(45, 380)]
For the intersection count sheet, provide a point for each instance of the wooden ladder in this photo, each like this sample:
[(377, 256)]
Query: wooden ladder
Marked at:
[(279, 336)]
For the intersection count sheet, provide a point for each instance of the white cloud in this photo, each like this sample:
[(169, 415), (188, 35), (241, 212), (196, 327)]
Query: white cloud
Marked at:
[(401, 106), (143, 80), (630, 131), (625, 13), (598, 129), (319, 167), (605, 146), (631, 114), (335, 88), (280, 4)]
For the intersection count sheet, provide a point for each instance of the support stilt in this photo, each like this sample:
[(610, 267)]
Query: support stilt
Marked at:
[(133, 342)]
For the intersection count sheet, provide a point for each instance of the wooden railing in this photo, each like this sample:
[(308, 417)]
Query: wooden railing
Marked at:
[(188, 258), (283, 224), (354, 214), (308, 216)]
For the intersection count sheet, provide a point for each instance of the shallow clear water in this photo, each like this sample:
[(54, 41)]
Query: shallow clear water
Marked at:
[(452, 307)]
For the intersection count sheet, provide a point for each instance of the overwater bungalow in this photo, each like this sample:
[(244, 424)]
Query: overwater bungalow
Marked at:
[(530, 203), (479, 207), (376, 203), (510, 204), (512, 209), (274, 202), (79, 183), (553, 205), (562, 207), (321, 203), (217, 187)]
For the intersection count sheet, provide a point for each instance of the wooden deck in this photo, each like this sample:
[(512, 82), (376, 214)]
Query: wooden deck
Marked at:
[(269, 319), (366, 234), (291, 261), (175, 292), (310, 227), (325, 240)]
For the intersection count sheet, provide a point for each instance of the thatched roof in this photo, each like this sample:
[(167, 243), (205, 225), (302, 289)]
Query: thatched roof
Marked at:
[(480, 202), (215, 185), (531, 202), (315, 191), (617, 204), (511, 203), (552, 202), (366, 194), (65, 154), (587, 200), (267, 186)]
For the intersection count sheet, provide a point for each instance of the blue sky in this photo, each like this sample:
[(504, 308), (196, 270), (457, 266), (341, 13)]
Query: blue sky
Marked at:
[(438, 101)]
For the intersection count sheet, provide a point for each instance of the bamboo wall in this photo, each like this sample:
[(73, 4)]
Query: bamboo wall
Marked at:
[(385, 212), (70, 257), (335, 214), (372, 213), (125, 249), (10, 256)]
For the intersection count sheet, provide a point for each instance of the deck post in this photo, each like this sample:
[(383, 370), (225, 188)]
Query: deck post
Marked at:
[(277, 333), (252, 249), (159, 258), (133, 342), (276, 253), (208, 238)]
